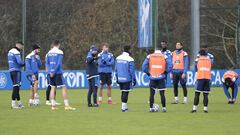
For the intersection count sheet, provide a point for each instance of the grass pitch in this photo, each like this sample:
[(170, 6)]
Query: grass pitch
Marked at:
[(222, 119)]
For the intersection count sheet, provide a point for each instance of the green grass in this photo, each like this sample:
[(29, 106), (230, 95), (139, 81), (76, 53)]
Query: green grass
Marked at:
[(222, 118)]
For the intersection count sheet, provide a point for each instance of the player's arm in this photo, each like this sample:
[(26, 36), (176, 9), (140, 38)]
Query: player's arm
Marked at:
[(39, 62), (145, 66), (110, 62), (168, 64), (100, 61), (186, 63), (19, 60), (60, 57), (132, 71), (89, 57), (28, 66), (116, 72), (195, 65)]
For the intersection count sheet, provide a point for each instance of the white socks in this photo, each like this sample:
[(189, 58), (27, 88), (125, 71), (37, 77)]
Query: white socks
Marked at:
[(109, 98), (205, 108), (100, 98), (124, 106), (66, 102), (185, 100), (176, 98), (53, 102), (194, 107), (13, 103)]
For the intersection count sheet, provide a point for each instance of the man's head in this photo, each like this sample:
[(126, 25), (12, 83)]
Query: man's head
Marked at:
[(127, 48), (36, 48), (179, 45), (19, 45), (202, 52), (105, 47), (93, 50), (163, 45), (204, 47), (228, 82), (56, 43)]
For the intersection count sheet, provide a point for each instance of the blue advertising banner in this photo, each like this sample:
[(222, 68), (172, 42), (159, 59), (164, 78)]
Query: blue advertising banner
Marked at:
[(77, 79), (144, 23)]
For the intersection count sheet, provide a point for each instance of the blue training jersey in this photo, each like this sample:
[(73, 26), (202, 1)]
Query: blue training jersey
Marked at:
[(15, 62), (54, 61), (105, 62), (33, 63)]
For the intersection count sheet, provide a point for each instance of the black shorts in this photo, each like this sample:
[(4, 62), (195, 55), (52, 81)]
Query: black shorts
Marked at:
[(29, 78), (57, 80), (48, 79), (16, 78), (93, 82), (125, 86), (202, 85), (105, 78), (158, 85), (177, 77)]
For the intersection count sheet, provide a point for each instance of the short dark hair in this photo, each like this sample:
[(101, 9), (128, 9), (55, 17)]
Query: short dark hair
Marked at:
[(56, 42), (19, 42), (126, 48), (164, 41), (204, 46), (180, 43), (203, 52)]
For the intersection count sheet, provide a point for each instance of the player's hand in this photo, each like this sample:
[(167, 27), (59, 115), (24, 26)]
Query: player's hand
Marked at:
[(34, 78), (171, 75), (183, 76), (51, 75), (134, 82), (37, 57), (104, 62)]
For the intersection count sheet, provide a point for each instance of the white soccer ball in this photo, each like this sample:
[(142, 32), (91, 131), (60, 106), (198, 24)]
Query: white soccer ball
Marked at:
[(156, 107)]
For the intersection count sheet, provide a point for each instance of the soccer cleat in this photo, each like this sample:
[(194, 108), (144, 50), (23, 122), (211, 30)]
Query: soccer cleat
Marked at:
[(48, 102), (15, 107), (125, 110), (69, 108), (205, 111), (54, 108), (90, 105), (109, 102), (193, 111), (175, 102), (99, 102), (95, 105), (184, 102), (58, 103)]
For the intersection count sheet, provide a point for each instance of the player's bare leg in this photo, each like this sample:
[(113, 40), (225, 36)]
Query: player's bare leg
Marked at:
[(100, 94), (109, 93), (65, 97), (52, 97), (31, 99), (36, 96)]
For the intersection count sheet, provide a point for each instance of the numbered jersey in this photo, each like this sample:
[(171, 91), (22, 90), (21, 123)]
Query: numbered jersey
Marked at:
[(204, 66)]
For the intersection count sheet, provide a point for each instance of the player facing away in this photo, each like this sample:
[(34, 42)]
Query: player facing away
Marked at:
[(125, 75), (33, 63), (54, 61), (229, 80), (48, 102), (209, 54), (92, 76), (105, 65), (15, 64), (178, 74), (156, 66), (203, 65)]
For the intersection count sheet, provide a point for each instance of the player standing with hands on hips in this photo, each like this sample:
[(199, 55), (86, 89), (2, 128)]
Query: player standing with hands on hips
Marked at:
[(180, 67), (156, 66)]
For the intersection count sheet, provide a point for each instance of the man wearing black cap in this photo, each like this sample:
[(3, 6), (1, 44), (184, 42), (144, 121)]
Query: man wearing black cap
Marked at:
[(33, 63), (92, 75), (15, 64)]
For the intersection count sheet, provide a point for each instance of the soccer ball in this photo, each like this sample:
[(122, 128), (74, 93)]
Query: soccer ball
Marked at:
[(156, 107)]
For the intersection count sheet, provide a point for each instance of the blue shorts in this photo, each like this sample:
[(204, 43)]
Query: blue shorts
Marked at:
[(16, 78), (125, 86), (105, 78), (29, 78), (158, 85), (57, 80), (202, 85)]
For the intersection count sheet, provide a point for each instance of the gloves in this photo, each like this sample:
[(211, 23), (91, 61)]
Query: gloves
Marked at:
[(103, 61), (134, 82)]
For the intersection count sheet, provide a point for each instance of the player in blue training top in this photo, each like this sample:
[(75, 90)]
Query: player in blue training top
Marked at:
[(54, 62), (33, 63), (15, 64), (125, 75), (92, 75), (105, 67)]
